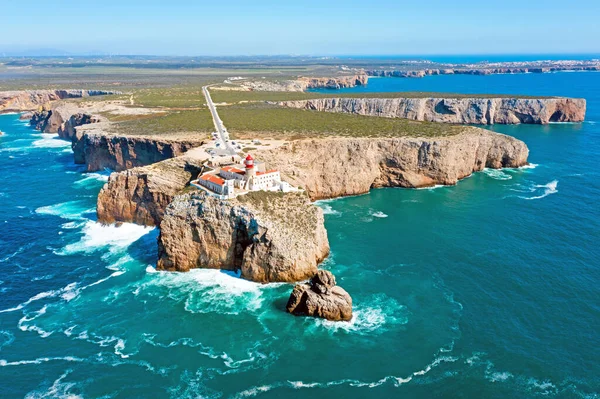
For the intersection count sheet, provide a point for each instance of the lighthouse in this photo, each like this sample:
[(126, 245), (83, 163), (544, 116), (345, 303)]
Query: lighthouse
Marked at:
[(250, 170)]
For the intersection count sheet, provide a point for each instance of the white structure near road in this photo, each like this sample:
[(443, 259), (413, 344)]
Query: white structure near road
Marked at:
[(231, 180)]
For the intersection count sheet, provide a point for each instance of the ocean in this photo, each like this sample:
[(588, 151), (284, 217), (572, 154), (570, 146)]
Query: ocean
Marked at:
[(488, 289)]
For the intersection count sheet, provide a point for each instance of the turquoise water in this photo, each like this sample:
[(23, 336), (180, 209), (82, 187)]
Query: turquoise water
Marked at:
[(486, 289)]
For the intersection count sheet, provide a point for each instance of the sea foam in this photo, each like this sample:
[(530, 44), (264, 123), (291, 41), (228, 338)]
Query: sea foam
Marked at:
[(97, 236), (50, 140)]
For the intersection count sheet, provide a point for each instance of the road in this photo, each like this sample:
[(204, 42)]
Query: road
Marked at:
[(218, 123)]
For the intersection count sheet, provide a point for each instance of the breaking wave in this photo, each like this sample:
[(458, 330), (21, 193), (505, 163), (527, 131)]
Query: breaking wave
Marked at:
[(379, 214), (545, 189), (50, 140), (497, 174), (97, 236), (370, 316)]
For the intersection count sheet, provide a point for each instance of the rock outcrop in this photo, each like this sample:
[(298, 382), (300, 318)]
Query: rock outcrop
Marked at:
[(328, 168), (303, 83), (141, 195), (266, 236), (321, 298), (67, 130), (485, 111), (30, 100), (100, 150)]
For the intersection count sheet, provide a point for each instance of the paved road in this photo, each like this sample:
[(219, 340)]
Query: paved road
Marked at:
[(218, 123)]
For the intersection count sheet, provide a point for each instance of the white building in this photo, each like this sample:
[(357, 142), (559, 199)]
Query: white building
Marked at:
[(253, 177)]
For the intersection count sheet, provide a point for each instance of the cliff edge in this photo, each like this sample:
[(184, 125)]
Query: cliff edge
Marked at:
[(481, 111), (266, 236)]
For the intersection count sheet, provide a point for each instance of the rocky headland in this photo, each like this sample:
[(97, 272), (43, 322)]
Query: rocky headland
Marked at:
[(322, 298), (491, 69), (301, 84), (483, 111), (326, 168), (266, 236), (141, 195), (30, 100)]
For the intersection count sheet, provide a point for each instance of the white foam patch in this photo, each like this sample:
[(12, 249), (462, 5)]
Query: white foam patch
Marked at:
[(545, 189), (41, 360), (393, 380), (496, 174), (50, 140), (211, 291), (97, 236), (530, 166), (430, 187), (370, 316), (58, 389), (379, 214), (328, 209), (70, 210), (93, 177)]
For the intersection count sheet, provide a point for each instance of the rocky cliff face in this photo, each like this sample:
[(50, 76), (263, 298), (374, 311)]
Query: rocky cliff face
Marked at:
[(325, 168), (480, 71), (141, 195), (267, 236), (328, 168), (98, 151), (485, 111), (29, 100), (301, 84), (67, 129), (61, 119), (335, 83)]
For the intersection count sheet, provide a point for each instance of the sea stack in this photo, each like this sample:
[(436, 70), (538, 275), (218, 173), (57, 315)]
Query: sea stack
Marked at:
[(321, 297)]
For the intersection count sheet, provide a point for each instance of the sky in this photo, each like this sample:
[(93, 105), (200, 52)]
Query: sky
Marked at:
[(269, 27)]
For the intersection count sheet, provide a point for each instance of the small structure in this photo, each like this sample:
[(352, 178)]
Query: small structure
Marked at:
[(235, 179)]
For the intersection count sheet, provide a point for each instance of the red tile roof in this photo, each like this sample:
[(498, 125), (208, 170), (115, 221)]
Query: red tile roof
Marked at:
[(233, 169), (267, 172), (213, 179)]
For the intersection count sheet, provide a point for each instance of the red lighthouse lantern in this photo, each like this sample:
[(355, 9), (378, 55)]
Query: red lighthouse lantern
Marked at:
[(249, 162)]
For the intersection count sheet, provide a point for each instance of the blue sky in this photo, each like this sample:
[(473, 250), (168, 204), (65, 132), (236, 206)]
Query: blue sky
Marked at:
[(187, 27)]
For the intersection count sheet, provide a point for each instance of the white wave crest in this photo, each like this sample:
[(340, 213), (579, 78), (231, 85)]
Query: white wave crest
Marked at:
[(97, 236), (395, 381), (70, 210), (209, 290), (50, 140), (496, 174), (328, 210), (547, 189), (369, 317), (379, 214)]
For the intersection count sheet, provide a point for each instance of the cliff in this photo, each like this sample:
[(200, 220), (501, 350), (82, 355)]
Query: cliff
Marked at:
[(268, 237), (29, 100), (484, 70), (304, 83), (141, 195), (325, 168), (328, 168), (61, 119), (100, 150), (485, 111)]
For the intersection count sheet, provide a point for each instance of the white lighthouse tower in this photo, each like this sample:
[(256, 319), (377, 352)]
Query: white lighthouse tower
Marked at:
[(250, 172)]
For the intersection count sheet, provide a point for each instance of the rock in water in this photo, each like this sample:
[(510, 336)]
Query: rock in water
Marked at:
[(321, 298)]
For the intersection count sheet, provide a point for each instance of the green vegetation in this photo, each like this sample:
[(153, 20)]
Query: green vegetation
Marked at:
[(262, 120), (172, 122), (233, 96), (190, 97)]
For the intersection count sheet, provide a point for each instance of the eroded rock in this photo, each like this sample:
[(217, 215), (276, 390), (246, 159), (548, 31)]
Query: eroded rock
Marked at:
[(321, 297)]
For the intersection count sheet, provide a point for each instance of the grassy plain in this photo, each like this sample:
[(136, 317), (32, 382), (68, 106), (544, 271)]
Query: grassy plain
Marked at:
[(263, 120)]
